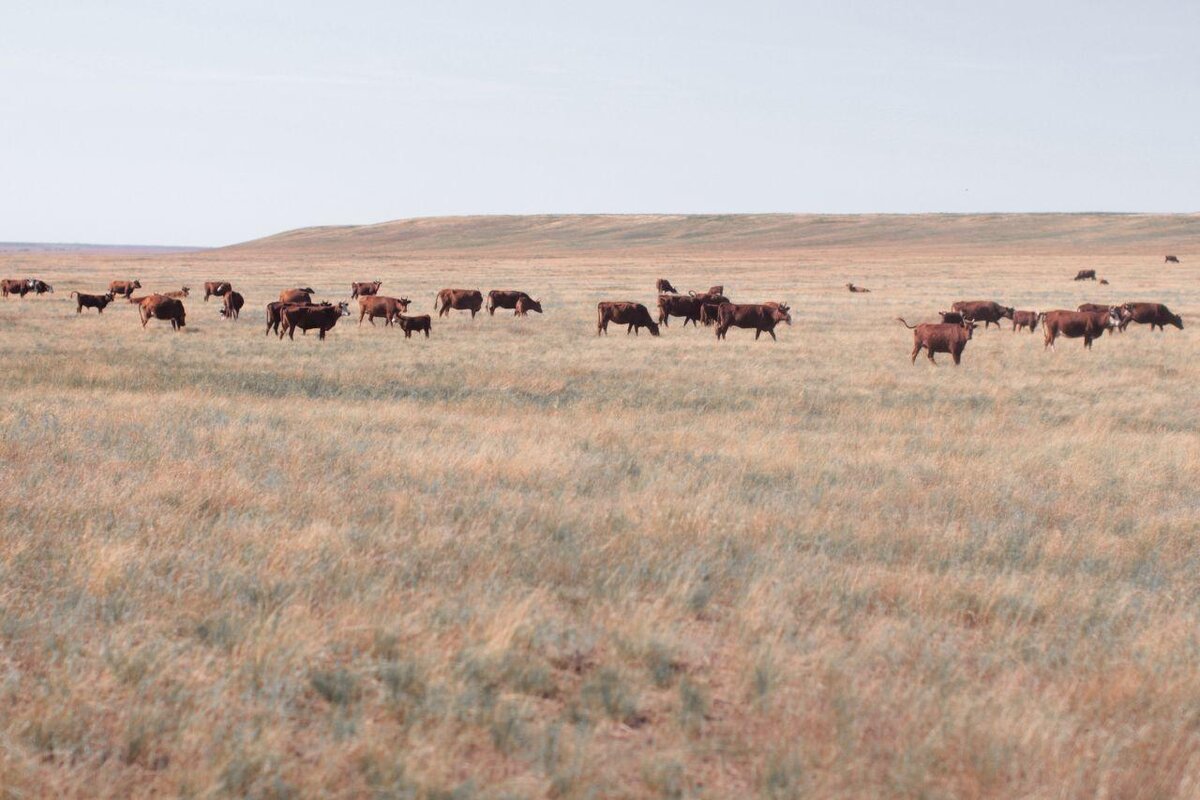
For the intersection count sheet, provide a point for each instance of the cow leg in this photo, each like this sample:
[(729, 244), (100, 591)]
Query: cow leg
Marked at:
[(79, 310), (757, 331), (929, 352), (427, 333), (957, 354), (916, 351), (773, 339)]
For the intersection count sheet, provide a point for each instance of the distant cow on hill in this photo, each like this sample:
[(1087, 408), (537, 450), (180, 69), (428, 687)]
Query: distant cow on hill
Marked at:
[(17, 286), (414, 324), (231, 305), (323, 318), (158, 306), (1025, 319), (1171, 260), (124, 288), (460, 300), (1090, 325), (858, 289), (364, 288), (760, 317), (96, 301), (1156, 315), (216, 289), (1085, 275), (520, 302), (374, 306), (298, 295), (985, 311), (662, 285), (943, 337), (624, 312)]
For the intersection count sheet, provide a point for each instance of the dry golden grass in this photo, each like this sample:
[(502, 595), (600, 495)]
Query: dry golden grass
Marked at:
[(518, 560)]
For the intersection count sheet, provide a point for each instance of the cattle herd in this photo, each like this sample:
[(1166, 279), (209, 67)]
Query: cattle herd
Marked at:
[(295, 309)]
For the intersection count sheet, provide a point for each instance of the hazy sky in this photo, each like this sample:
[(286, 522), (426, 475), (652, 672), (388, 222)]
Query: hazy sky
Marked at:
[(213, 122)]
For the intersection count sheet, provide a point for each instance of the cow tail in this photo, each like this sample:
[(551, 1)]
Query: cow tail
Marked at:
[(901, 320)]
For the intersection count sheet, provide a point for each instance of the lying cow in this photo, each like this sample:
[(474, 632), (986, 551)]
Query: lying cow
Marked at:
[(231, 305), (760, 317), (323, 318), (1090, 325), (375, 306), (1171, 260), (1085, 275), (512, 298), (1025, 319), (179, 295), (1156, 315), (96, 301), (940, 337), (17, 286), (364, 288), (417, 324), (858, 289), (459, 299), (985, 311), (299, 295), (624, 312), (124, 288), (157, 306), (662, 285), (677, 305), (216, 289)]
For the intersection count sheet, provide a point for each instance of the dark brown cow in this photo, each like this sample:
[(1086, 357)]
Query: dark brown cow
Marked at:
[(158, 306), (17, 286), (1075, 324), (299, 295), (624, 312), (1171, 260), (984, 311), (124, 288), (231, 305), (678, 305), (1104, 281), (1025, 319), (709, 303), (364, 288), (858, 289), (275, 315), (512, 298), (716, 290), (372, 306), (951, 317), (410, 324), (760, 317), (1085, 275), (1156, 315), (39, 286), (662, 285), (943, 337), (306, 318), (96, 301), (459, 299), (216, 289), (178, 295)]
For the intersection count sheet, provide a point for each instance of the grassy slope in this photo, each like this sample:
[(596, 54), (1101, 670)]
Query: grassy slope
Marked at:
[(519, 558)]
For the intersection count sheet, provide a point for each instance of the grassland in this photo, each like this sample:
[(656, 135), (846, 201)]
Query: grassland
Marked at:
[(518, 560)]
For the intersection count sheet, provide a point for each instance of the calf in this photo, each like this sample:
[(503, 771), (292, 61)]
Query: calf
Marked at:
[(1156, 315), (985, 311), (624, 312), (306, 318), (945, 337), (460, 299), (364, 288), (96, 301), (216, 289), (1171, 260), (157, 306), (124, 288), (662, 285), (410, 324), (231, 305), (17, 286), (759, 317), (520, 302), (1090, 325), (372, 306), (1085, 275), (296, 295), (1025, 319)]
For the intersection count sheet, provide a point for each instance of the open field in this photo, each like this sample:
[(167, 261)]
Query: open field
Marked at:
[(518, 560)]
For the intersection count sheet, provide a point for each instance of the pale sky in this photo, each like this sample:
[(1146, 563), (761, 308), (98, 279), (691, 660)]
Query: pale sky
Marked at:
[(207, 123)]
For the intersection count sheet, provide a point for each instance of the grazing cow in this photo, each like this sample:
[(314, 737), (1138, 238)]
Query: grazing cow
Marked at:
[(96, 301), (231, 305), (951, 317), (984, 311), (677, 305), (410, 324), (158, 306), (624, 312), (372, 306), (306, 318), (1104, 281), (944, 337), (364, 288), (1075, 324), (124, 288), (1085, 275), (298, 295), (1025, 319), (1171, 260), (520, 302), (460, 299), (17, 286), (662, 285), (39, 286), (182, 293), (858, 289), (760, 317), (1156, 315), (216, 289), (275, 315)]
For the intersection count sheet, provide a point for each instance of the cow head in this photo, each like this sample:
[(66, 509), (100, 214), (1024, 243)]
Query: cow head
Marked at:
[(108, 297), (186, 290), (403, 303), (969, 327), (1005, 311), (309, 290), (653, 326), (343, 309), (1114, 317), (137, 284), (782, 313), (532, 305)]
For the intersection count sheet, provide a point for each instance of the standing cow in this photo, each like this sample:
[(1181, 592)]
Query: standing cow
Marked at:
[(1085, 275), (1025, 319), (373, 306), (677, 305), (96, 301), (216, 289), (364, 288), (298, 295), (157, 306), (231, 305), (323, 318), (1090, 325), (760, 317), (519, 301), (940, 337), (985, 311), (17, 286), (1156, 315), (1171, 260), (624, 312), (411, 324), (663, 286), (459, 299), (124, 288)]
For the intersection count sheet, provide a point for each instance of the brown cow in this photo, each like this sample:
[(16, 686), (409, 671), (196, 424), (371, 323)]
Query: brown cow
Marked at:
[(624, 312), (1025, 319), (410, 324), (372, 306), (124, 288), (1085, 275), (306, 318), (157, 306), (858, 289), (943, 337), (1104, 281), (364, 288), (984, 311), (677, 305), (662, 285), (216, 289), (460, 299), (1171, 260), (709, 303), (17, 286), (951, 317), (296, 296), (231, 305), (1156, 315), (1075, 324), (179, 295), (1104, 309), (760, 317), (520, 302), (96, 301), (275, 315)]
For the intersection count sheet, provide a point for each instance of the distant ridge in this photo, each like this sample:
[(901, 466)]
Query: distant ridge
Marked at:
[(64, 247), (613, 234)]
